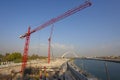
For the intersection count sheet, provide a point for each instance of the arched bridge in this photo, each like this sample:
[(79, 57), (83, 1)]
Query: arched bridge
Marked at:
[(69, 52)]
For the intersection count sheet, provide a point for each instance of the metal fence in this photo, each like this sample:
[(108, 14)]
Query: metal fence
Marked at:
[(77, 75)]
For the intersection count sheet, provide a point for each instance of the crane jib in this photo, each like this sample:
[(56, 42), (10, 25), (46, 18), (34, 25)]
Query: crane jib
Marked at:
[(60, 17)]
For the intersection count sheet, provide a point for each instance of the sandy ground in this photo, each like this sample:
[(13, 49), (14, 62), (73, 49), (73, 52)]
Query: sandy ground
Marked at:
[(16, 67)]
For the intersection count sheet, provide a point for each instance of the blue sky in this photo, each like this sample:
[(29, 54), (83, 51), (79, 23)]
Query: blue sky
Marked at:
[(93, 31)]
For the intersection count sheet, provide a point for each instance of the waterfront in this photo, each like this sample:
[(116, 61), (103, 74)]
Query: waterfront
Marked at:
[(97, 68)]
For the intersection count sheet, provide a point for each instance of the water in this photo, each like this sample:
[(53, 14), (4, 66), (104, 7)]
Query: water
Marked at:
[(97, 68)]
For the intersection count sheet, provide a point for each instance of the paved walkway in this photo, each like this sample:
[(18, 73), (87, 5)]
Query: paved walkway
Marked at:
[(69, 76)]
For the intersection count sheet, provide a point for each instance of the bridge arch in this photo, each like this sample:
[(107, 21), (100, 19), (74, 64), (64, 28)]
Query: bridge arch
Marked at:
[(68, 52)]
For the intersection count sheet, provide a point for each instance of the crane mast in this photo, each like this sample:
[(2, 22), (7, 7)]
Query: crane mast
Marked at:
[(49, 22), (49, 44), (26, 47)]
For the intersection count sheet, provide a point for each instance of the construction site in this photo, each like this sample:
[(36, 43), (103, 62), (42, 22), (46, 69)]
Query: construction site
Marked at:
[(57, 69)]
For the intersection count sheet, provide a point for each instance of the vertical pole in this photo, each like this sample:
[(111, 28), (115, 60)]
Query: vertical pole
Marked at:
[(49, 44), (49, 40), (26, 47), (107, 72)]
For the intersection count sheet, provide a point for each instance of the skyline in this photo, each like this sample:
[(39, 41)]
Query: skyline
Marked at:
[(93, 31)]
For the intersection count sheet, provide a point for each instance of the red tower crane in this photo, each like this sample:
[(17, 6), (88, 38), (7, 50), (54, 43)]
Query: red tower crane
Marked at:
[(26, 47), (49, 22), (49, 42)]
